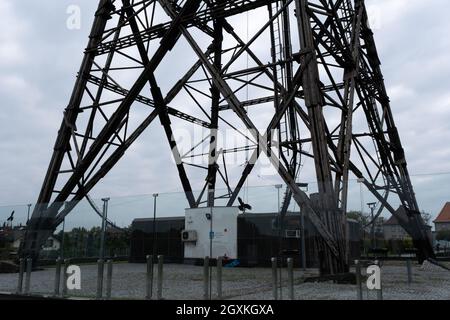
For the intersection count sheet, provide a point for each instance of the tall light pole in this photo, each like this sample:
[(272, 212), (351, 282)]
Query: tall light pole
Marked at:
[(104, 218), (372, 206)]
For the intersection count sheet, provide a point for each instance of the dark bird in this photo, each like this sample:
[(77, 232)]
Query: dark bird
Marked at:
[(11, 217), (243, 206)]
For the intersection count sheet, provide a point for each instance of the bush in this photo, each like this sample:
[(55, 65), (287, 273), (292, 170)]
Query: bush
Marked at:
[(408, 243), (443, 235)]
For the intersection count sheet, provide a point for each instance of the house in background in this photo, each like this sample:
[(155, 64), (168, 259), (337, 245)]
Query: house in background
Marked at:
[(397, 239), (442, 233), (18, 235), (442, 222), (52, 244), (393, 230)]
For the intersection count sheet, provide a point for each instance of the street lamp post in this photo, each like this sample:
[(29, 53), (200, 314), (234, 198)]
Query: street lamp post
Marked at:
[(372, 206)]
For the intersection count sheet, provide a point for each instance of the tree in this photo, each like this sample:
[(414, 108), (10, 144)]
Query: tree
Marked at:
[(426, 217), (358, 216)]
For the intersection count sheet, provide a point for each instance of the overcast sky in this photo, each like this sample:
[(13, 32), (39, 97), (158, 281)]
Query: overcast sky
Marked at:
[(39, 58)]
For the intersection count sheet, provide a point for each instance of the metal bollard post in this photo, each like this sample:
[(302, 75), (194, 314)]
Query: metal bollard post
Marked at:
[(274, 278), (149, 283), (358, 280), (109, 268), (409, 270), (380, 292), (57, 277), (21, 271), (65, 277), (206, 278), (29, 266), (100, 270), (160, 277), (290, 265), (219, 277)]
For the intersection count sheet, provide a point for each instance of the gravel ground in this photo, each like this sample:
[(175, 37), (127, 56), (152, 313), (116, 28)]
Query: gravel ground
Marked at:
[(185, 282)]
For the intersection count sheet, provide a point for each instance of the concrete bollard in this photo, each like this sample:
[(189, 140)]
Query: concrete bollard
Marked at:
[(359, 294), (65, 277), (149, 278), (109, 272), (380, 292), (409, 270), (219, 277), (274, 278), (290, 266), (29, 267), (206, 278), (21, 271), (160, 277), (57, 277), (100, 270)]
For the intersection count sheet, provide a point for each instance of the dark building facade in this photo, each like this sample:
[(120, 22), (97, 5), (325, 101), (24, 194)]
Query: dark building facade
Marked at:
[(259, 238)]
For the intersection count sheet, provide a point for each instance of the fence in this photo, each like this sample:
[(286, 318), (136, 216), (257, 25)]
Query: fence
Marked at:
[(214, 280)]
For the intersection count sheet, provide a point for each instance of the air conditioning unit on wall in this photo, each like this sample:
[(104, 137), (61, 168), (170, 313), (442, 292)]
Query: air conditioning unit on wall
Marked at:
[(293, 234), (189, 236)]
